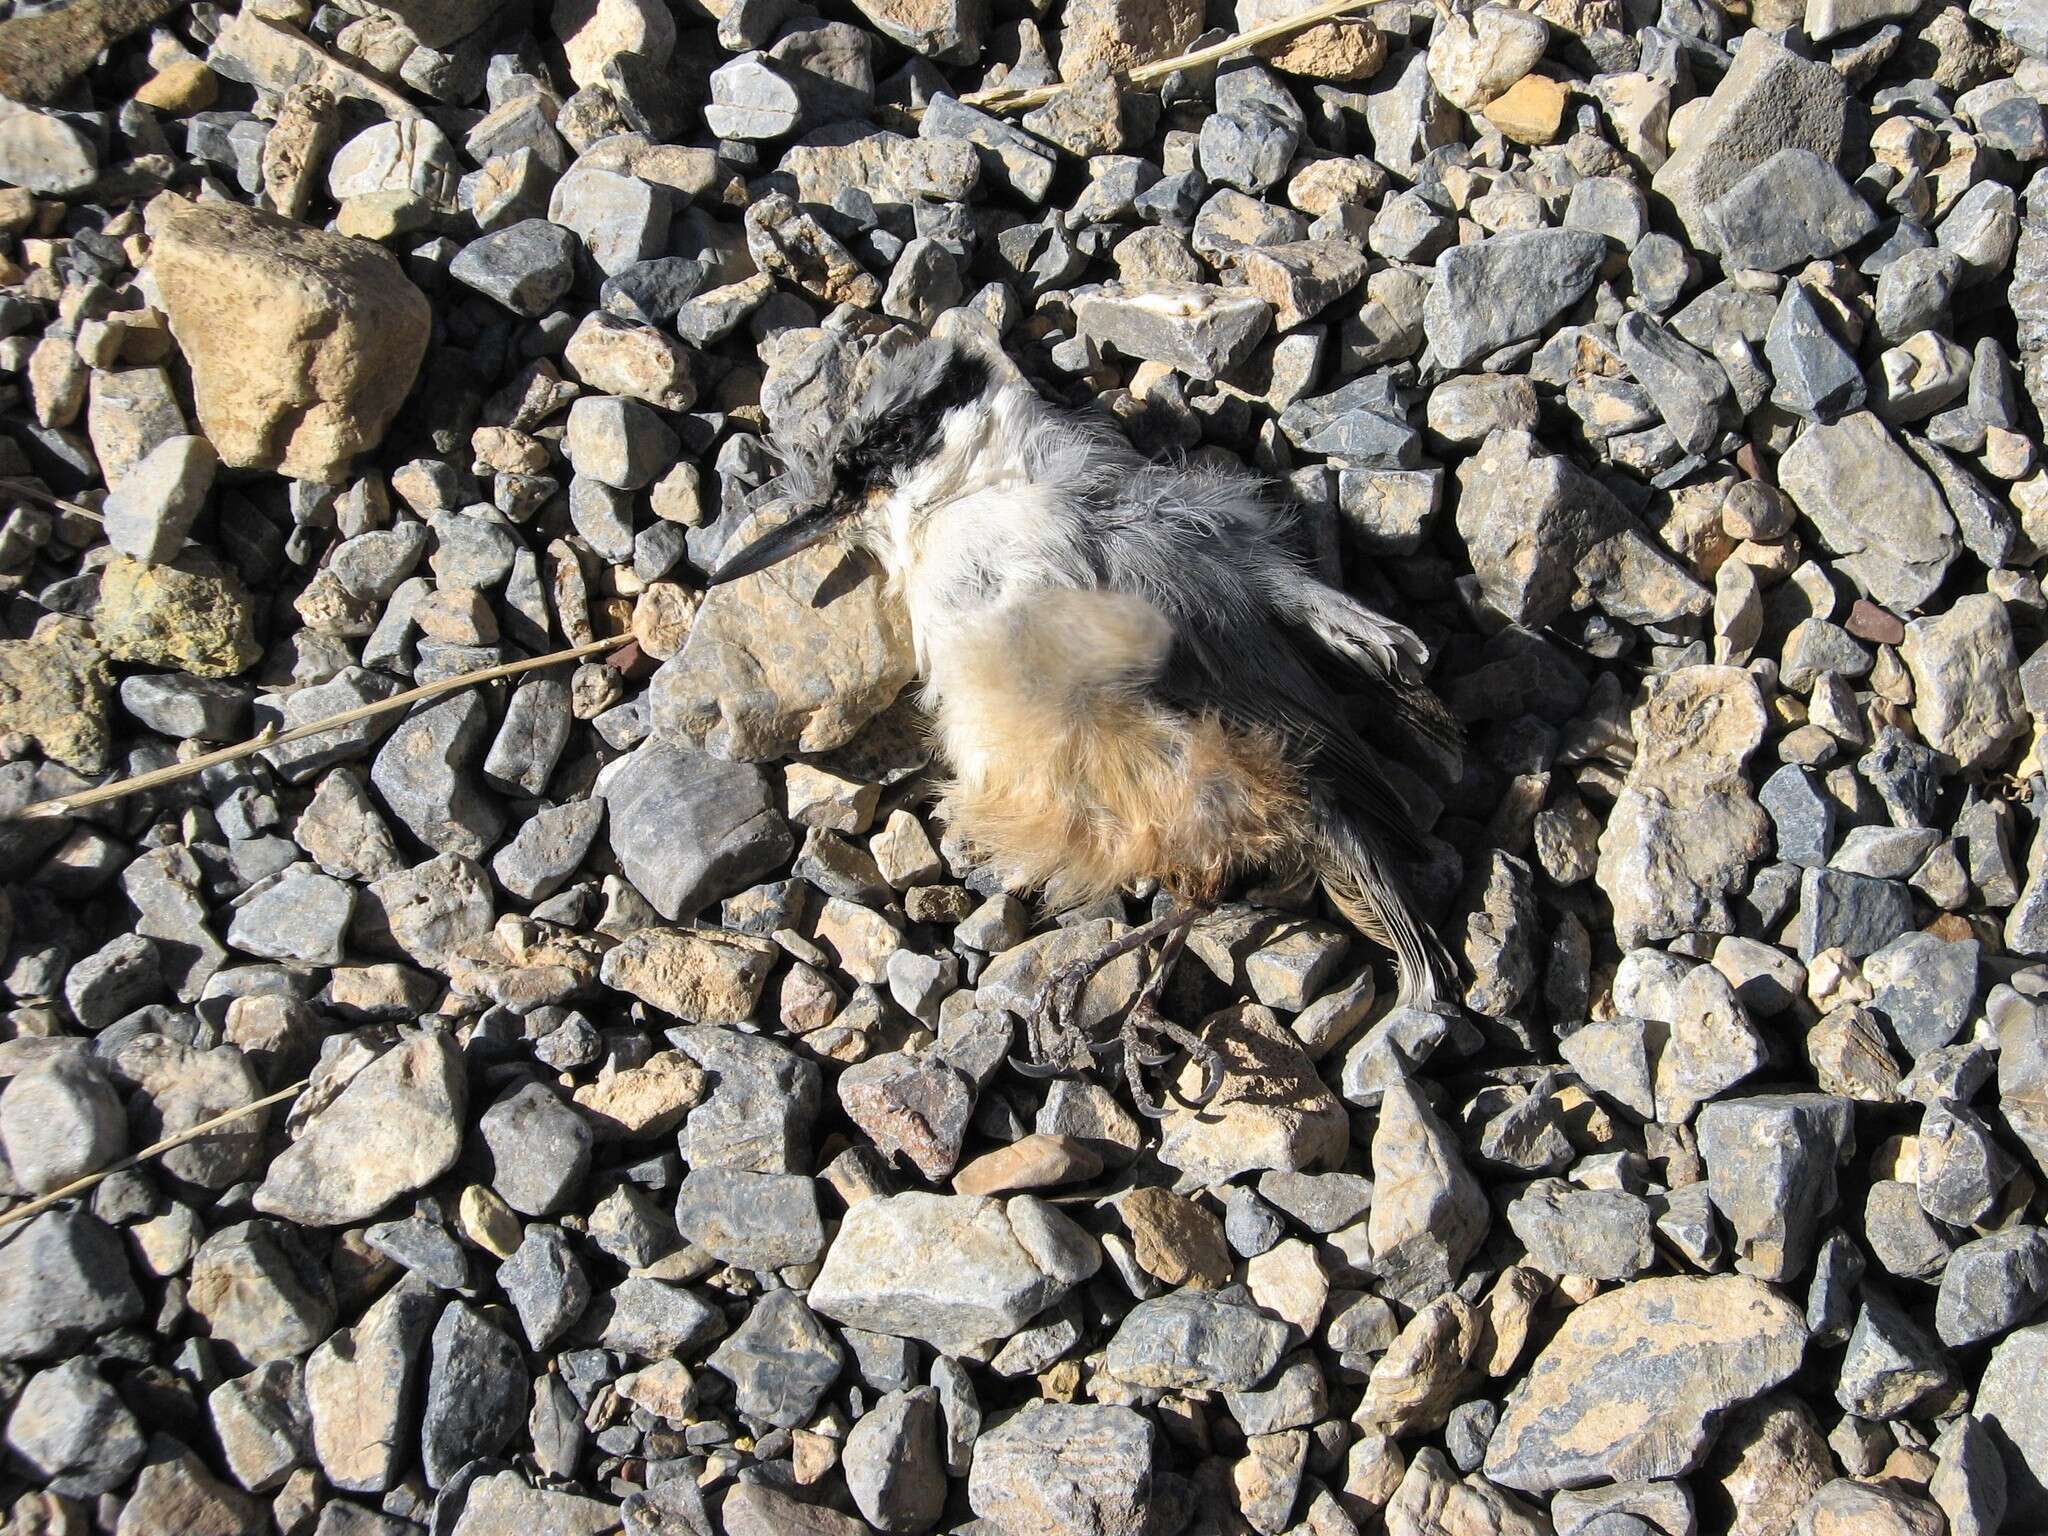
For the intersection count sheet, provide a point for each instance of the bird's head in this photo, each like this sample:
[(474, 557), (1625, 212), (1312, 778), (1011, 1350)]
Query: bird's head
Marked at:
[(838, 479)]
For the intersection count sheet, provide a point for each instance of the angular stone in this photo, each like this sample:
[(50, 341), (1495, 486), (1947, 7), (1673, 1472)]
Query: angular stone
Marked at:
[(1066, 1469), (1791, 209), (339, 329), (1635, 1382), (954, 1271), (1201, 330), (1506, 288), (396, 1127), (1771, 1164), (1874, 507)]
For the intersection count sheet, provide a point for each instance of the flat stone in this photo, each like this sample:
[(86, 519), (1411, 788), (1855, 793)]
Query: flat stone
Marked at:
[(1068, 1469), (1505, 289), (1677, 1353), (951, 1270), (396, 1127), (1838, 474)]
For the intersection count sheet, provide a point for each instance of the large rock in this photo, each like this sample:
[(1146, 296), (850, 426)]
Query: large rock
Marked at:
[(302, 343), (952, 1270), (359, 1389), (1685, 827), (1966, 687), (1771, 1173), (1272, 1112), (796, 658), (1066, 1469), (53, 691), (688, 828), (2009, 1403), (192, 614), (396, 1127), (1770, 100), (1546, 537), (1506, 288), (1874, 507), (64, 1282), (1634, 1383), (1429, 1214)]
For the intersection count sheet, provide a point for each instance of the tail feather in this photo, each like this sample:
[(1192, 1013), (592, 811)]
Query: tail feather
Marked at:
[(1363, 886)]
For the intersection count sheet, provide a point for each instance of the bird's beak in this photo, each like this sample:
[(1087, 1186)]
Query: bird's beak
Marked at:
[(811, 526)]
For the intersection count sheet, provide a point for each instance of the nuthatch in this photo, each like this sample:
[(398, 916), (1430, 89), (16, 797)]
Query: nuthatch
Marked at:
[(1126, 666)]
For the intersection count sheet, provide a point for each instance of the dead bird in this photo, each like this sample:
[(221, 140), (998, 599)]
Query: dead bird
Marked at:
[(1126, 665)]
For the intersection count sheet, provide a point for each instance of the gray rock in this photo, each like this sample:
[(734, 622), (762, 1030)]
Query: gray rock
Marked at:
[(1597, 1232), (645, 1317), (1771, 1164), (425, 775), (1992, 1285), (59, 1121), (758, 1221), (1771, 100), (1688, 388), (619, 218), (424, 1247), (1889, 1364), (260, 1421), (1066, 1469), (360, 1394), (1428, 1214), (118, 977), (1962, 1168), (546, 1283), (539, 1150), (1201, 330), (262, 1292), (954, 1271), (1791, 209), (1011, 159), (1851, 912), (1678, 1352), (548, 849), (895, 1466), (1506, 288), (781, 1360), (526, 266), (1926, 989), (1841, 475), (73, 1432), (476, 1394), (64, 1282), (152, 506), (1812, 374), (303, 915), (689, 829)]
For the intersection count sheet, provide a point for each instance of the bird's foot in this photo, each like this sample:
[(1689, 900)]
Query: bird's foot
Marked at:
[(1149, 1039), (1052, 1027)]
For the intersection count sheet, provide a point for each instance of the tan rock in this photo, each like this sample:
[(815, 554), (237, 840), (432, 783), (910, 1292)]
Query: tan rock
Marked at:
[(1531, 111), (1846, 1507), (1433, 1501), (1349, 48), (302, 343), (1176, 1241), (192, 614), (796, 658), (296, 148), (1414, 1385), (594, 32), (53, 691), (1474, 59), (274, 56), (616, 357), (701, 975), (643, 1101), (1770, 1460), (1273, 1110), (1037, 1161), (662, 617), (1111, 36), (180, 88)]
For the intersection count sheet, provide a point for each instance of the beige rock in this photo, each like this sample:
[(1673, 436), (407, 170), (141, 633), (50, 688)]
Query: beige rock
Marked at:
[(1475, 59), (1846, 1507), (1111, 36), (129, 413), (1685, 825), (1770, 1460), (302, 343), (396, 1127), (643, 1101), (1531, 111), (796, 658), (789, 244), (1273, 1110), (1037, 1161), (662, 616), (1349, 48), (274, 56), (594, 32), (53, 691), (1414, 1385), (703, 976), (1288, 1281), (191, 614), (1966, 688), (1433, 1501), (357, 1388), (296, 148), (1633, 1383), (180, 88), (616, 357), (483, 1217)]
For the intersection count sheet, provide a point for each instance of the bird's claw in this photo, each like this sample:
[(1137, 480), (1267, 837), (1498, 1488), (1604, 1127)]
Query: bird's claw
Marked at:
[(1144, 1021)]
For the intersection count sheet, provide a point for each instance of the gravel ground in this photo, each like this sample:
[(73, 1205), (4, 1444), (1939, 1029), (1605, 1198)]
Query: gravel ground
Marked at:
[(1677, 371)]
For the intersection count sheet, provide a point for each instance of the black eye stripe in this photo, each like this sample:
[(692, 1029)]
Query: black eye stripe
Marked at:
[(907, 432)]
